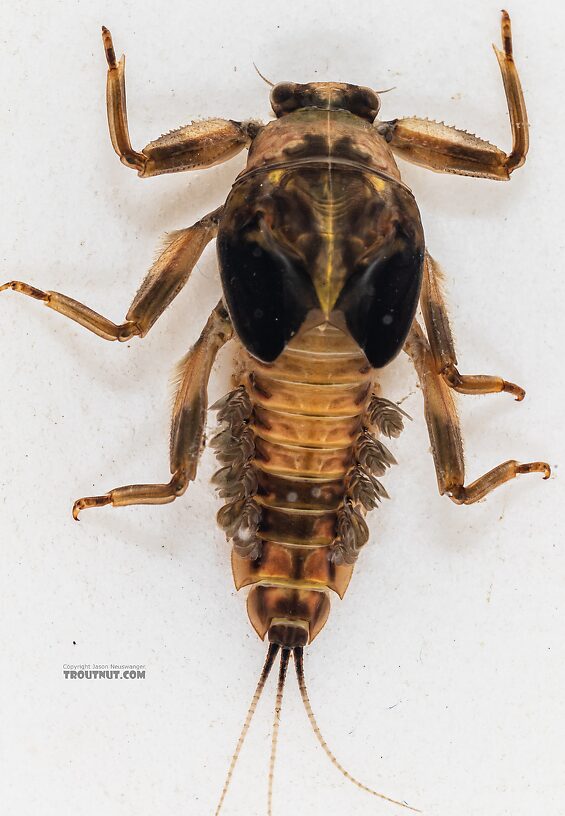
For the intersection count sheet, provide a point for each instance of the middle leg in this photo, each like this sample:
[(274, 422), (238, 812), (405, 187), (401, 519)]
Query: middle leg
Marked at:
[(442, 347), (162, 284)]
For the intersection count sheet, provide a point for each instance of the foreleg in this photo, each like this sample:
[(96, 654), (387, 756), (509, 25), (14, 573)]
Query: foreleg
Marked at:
[(446, 149), (198, 145)]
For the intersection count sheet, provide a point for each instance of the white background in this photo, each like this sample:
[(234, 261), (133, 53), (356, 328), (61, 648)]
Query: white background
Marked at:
[(440, 677)]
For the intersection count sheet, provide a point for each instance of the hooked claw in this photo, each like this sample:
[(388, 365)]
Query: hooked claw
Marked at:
[(89, 501)]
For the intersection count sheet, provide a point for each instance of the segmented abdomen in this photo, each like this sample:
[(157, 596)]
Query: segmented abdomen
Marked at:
[(300, 461)]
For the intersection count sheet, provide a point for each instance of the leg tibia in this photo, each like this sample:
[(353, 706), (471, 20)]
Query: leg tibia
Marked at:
[(164, 281), (480, 383), (442, 347), (117, 112)]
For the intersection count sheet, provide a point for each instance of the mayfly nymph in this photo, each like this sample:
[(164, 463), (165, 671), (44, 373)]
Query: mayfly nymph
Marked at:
[(323, 266)]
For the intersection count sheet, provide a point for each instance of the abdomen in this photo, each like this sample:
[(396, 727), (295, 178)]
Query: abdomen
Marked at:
[(291, 448)]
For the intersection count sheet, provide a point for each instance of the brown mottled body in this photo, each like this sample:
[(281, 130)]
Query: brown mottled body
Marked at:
[(323, 264), (306, 422)]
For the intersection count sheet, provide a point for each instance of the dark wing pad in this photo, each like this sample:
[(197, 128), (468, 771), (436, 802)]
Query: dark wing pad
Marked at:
[(267, 288), (379, 301), (384, 255)]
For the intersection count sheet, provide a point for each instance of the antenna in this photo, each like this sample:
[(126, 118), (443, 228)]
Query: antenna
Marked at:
[(268, 81)]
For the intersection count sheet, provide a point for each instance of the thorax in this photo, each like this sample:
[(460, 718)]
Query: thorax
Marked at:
[(314, 135)]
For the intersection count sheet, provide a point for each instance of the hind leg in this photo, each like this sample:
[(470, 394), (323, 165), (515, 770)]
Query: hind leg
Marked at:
[(445, 432), (189, 419)]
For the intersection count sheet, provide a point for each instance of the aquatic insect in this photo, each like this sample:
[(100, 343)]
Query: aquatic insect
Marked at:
[(323, 264)]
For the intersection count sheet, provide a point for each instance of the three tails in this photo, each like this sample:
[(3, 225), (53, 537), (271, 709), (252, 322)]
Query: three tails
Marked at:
[(298, 656)]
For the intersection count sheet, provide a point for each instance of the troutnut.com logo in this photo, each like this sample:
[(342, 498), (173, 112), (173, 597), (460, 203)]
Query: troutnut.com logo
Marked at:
[(103, 671)]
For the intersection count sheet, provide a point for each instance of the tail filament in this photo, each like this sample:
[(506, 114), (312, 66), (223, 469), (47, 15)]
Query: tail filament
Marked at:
[(285, 656), (271, 655), (299, 664)]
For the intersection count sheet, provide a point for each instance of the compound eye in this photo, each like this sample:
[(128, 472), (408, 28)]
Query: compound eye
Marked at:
[(283, 98), (365, 103)]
